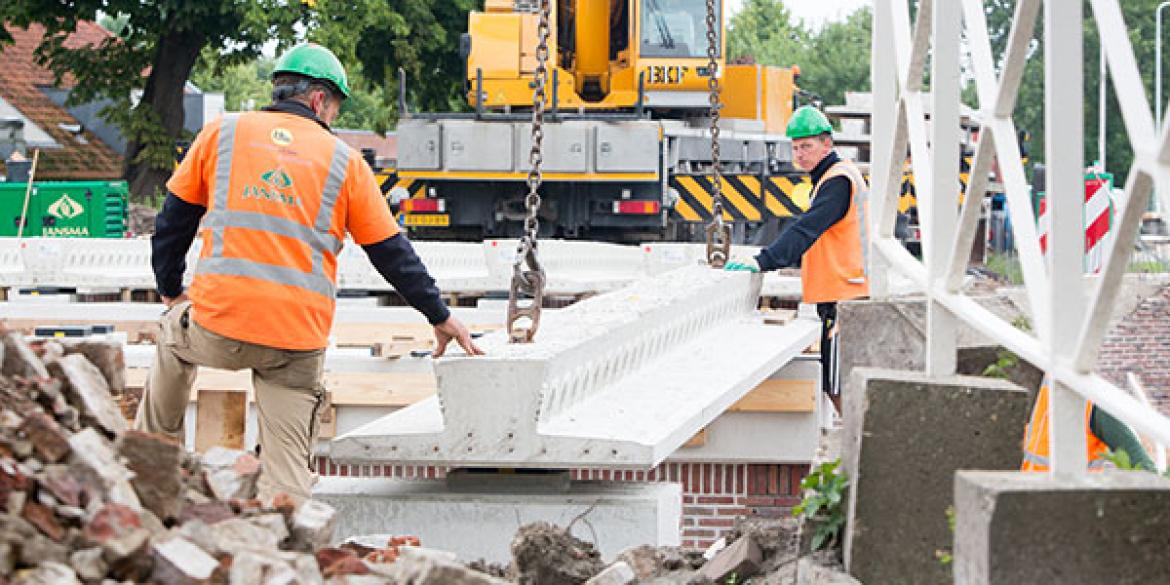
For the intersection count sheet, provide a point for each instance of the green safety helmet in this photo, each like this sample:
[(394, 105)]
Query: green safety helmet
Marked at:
[(808, 121), (315, 62)]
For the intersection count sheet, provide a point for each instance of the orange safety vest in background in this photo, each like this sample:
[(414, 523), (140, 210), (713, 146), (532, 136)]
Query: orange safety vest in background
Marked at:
[(834, 267), (1036, 437), (281, 192)]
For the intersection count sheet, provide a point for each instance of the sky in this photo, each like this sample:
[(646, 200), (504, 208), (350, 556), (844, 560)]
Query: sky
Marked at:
[(814, 12)]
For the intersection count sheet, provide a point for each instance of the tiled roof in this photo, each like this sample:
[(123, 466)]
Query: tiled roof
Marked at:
[(20, 80)]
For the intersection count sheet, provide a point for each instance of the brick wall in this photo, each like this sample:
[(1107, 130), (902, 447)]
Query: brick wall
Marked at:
[(714, 494), (1140, 343)]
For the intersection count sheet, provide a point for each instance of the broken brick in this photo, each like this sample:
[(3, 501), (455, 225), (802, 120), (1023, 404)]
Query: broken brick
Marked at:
[(208, 513), (49, 440), (155, 461), (230, 474), (57, 480), (19, 359), (44, 519)]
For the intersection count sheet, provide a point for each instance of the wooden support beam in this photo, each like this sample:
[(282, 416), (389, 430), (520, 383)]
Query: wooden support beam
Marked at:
[(220, 419), (779, 395)]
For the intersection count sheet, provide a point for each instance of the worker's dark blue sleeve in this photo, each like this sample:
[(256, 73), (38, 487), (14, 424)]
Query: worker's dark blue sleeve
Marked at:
[(175, 227), (396, 261), (829, 207), (1118, 437)]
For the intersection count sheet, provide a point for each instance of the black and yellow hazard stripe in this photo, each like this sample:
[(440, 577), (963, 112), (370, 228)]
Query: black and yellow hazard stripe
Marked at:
[(908, 197), (746, 197)]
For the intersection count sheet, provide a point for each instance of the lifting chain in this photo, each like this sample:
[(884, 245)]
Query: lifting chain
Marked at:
[(718, 232), (530, 281)]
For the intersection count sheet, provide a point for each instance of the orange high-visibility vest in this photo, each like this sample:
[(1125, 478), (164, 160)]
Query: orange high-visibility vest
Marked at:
[(281, 192), (835, 267), (1036, 437)]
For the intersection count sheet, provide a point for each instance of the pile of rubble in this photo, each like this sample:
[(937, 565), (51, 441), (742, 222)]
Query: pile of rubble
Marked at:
[(755, 552), (85, 499)]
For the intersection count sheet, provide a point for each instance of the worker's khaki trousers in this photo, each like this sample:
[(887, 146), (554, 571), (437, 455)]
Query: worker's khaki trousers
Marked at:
[(288, 391)]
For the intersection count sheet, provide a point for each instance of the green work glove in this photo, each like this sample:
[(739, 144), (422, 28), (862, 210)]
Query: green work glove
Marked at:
[(748, 264)]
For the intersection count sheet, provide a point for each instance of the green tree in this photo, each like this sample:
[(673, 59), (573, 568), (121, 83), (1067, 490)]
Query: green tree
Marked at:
[(244, 86), (1029, 113), (832, 61), (375, 38), (160, 42), (839, 58), (764, 31)]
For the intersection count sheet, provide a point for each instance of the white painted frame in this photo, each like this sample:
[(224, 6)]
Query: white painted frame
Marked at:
[(1070, 313)]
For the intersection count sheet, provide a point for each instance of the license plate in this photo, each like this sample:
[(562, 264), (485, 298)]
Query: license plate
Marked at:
[(428, 219)]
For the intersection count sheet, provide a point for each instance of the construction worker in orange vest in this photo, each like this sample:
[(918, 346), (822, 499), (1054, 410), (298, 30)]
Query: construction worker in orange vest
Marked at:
[(829, 240), (1103, 433), (277, 193)]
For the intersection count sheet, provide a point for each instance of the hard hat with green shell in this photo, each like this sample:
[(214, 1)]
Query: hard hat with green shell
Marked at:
[(808, 121), (315, 62)]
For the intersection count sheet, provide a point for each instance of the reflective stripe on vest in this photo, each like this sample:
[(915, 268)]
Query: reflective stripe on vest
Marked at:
[(318, 238), (861, 200), (1036, 436)]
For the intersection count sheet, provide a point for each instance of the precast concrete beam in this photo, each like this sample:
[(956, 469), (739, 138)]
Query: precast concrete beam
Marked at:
[(622, 379)]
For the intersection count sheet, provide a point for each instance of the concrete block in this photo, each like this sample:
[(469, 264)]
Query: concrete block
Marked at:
[(1014, 527), (620, 515), (892, 335), (905, 436), (592, 389)]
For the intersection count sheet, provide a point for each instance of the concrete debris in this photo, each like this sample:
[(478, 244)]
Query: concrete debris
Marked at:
[(419, 566), (83, 499), (740, 559), (89, 391), (107, 356), (19, 359), (155, 461), (95, 463), (178, 562), (47, 573), (313, 524), (89, 564), (544, 554), (231, 474), (618, 573)]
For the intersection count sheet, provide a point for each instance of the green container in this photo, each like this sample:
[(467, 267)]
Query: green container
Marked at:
[(69, 209)]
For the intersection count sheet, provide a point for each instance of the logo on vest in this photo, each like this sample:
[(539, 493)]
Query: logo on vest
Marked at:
[(282, 137), (65, 208), (275, 182)]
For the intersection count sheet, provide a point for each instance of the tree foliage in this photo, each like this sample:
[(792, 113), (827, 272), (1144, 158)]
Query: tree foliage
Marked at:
[(832, 60), (1139, 18), (377, 37), (158, 45)]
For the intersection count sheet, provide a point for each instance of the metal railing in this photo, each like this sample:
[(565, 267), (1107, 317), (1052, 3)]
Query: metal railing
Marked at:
[(1070, 311)]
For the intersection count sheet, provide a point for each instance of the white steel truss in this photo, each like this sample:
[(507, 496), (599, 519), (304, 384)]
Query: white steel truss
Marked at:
[(1070, 311)]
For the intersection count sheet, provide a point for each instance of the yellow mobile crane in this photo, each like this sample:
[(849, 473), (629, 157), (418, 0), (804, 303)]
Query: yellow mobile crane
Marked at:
[(626, 144)]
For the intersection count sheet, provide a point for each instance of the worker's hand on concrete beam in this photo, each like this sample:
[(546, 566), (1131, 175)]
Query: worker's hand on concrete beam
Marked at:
[(172, 301), (450, 329), (747, 263)]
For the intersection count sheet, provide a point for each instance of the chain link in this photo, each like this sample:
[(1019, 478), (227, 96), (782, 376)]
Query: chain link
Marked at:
[(530, 281), (718, 233)]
